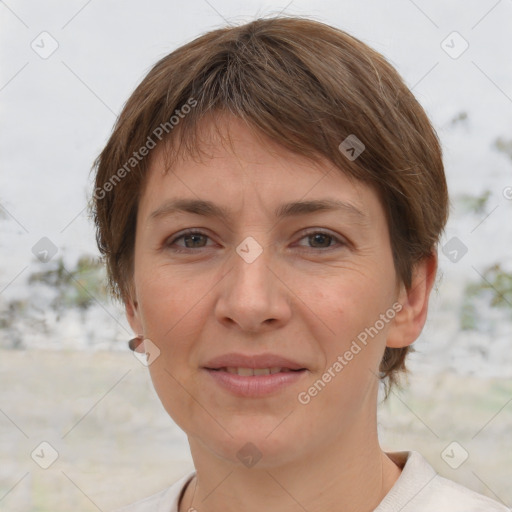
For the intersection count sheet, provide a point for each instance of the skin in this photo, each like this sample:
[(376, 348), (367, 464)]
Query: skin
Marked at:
[(303, 297)]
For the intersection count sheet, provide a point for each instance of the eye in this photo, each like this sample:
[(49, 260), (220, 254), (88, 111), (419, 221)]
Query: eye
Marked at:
[(322, 240), (193, 240)]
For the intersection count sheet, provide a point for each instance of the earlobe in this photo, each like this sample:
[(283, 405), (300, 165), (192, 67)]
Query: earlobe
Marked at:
[(409, 321), (133, 315)]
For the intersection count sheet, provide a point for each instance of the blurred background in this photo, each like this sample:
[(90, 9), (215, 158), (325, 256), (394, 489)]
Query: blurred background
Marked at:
[(67, 379)]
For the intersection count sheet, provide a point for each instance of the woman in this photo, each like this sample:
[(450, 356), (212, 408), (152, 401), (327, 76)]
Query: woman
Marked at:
[(269, 207)]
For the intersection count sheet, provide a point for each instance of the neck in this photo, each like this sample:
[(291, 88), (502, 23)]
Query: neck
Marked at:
[(352, 475)]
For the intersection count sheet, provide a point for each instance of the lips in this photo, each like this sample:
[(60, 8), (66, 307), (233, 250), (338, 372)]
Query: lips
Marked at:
[(243, 363), (249, 372)]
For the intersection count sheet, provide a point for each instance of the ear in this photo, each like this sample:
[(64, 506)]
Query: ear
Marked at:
[(409, 321), (131, 307)]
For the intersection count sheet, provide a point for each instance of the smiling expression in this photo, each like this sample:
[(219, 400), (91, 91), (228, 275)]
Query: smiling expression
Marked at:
[(320, 270)]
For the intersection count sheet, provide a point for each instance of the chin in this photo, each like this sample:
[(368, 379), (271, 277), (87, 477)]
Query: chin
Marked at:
[(252, 445)]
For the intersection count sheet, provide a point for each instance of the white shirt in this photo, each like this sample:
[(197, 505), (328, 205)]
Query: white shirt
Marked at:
[(418, 489)]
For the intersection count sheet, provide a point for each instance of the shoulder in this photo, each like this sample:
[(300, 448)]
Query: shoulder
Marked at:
[(163, 501), (421, 489), (445, 492)]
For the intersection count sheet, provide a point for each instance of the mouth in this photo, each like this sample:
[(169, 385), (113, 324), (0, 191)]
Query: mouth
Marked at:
[(250, 372), (253, 375), (254, 382)]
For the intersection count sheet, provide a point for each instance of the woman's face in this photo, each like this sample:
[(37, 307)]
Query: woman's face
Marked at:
[(300, 283)]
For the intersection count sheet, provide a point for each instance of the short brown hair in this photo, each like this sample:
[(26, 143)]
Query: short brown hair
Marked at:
[(308, 86)]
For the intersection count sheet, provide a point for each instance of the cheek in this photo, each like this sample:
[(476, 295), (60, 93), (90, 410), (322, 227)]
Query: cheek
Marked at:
[(164, 297), (171, 313), (351, 302), (356, 308), (351, 353)]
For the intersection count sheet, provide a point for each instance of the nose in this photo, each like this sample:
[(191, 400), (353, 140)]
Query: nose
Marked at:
[(253, 295)]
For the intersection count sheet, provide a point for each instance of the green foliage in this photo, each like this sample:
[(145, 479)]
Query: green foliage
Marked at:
[(475, 204), (504, 146), (78, 287), (494, 289), (499, 283), (468, 316), (15, 309), (461, 117)]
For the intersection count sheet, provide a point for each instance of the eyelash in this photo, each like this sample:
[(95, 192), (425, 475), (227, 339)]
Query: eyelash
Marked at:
[(169, 244)]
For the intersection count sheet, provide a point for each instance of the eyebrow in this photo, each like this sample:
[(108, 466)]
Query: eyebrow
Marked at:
[(292, 209)]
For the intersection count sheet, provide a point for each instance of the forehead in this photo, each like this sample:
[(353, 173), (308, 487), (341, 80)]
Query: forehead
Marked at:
[(239, 168)]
